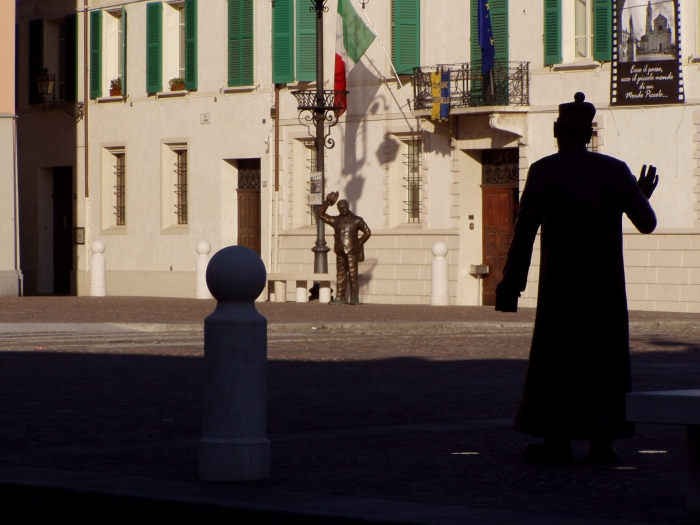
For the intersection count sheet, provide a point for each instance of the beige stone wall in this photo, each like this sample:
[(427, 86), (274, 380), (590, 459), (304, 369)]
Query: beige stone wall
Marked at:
[(396, 270), (662, 272), (7, 57)]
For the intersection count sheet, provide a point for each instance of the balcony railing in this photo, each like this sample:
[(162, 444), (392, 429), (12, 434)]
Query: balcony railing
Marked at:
[(469, 88)]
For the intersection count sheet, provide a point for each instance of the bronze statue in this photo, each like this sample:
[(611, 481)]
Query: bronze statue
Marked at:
[(579, 367), (349, 250)]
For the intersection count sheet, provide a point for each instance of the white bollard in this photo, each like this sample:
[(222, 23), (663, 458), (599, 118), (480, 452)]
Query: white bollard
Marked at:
[(98, 270), (439, 290), (235, 445), (200, 270)]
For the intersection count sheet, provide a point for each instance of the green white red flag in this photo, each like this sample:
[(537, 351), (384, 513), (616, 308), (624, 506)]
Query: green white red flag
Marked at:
[(352, 39)]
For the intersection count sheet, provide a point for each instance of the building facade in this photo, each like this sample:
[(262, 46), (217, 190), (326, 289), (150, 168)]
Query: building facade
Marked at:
[(200, 138)]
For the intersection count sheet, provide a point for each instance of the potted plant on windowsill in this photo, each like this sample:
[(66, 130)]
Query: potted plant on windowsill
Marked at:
[(115, 87), (177, 84)]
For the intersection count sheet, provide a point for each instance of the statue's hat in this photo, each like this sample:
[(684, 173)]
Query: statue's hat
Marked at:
[(577, 113)]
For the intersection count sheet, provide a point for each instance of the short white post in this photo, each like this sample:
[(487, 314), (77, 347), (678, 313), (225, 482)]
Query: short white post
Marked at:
[(200, 270), (439, 290), (302, 293), (324, 292), (98, 270), (235, 445), (280, 288)]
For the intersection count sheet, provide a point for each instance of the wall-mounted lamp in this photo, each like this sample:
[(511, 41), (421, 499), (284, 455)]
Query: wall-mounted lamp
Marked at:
[(45, 82)]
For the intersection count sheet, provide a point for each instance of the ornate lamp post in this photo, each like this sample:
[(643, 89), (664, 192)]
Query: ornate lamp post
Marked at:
[(319, 107)]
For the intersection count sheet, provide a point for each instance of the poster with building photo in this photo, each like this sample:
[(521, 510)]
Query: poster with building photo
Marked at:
[(646, 66)]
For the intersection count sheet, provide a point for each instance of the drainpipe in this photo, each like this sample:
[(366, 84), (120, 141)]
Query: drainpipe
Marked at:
[(86, 156), (275, 264)]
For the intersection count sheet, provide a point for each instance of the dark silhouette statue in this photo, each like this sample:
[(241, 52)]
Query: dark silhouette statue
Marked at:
[(348, 248), (579, 367)]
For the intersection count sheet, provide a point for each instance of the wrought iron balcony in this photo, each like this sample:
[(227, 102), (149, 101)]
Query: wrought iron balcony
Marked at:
[(469, 88)]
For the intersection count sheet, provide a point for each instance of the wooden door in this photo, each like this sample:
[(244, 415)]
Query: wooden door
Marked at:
[(499, 206), (500, 196), (249, 229)]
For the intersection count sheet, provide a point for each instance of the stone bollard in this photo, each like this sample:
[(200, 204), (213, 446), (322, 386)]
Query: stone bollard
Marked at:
[(98, 270), (439, 290), (200, 271), (235, 445)]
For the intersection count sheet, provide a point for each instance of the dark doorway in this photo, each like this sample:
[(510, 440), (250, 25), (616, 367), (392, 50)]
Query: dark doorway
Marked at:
[(249, 232), (500, 196), (62, 229)]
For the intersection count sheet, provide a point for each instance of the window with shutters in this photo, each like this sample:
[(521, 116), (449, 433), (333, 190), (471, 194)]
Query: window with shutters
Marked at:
[(293, 41), (498, 10), (52, 45), (405, 35), (114, 50), (240, 43), (413, 181), (577, 31)]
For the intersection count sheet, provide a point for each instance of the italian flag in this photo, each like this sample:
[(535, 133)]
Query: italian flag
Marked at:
[(352, 39)]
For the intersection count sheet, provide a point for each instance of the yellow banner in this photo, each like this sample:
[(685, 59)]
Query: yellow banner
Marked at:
[(435, 92)]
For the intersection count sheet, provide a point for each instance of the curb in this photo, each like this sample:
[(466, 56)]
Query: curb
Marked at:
[(636, 327)]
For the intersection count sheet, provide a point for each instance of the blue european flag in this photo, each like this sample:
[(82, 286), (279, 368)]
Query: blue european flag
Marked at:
[(488, 51)]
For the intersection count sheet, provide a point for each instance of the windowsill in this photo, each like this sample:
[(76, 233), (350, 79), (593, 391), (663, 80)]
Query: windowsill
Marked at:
[(238, 89), (115, 230), (177, 229), (694, 60), (102, 100), (575, 66), (172, 94)]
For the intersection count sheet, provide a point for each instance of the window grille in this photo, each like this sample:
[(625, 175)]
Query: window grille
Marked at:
[(249, 174), (120, 189), (311, 162), (500, 166), (413, 181), (181, 186)]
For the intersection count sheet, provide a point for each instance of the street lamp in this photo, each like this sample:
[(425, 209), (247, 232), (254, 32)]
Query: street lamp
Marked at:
[(318, 108), (45, 82)]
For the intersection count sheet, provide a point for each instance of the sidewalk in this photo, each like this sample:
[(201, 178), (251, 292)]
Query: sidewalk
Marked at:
[(395, 414)]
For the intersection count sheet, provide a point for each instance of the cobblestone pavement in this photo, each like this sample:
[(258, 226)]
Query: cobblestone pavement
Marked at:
[(401, 415)]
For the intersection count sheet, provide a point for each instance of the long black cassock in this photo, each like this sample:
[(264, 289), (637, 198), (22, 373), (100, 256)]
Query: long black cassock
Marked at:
[(579, 368)]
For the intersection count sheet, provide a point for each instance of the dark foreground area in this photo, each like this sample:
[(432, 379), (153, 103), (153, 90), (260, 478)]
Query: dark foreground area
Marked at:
[(410, 426)]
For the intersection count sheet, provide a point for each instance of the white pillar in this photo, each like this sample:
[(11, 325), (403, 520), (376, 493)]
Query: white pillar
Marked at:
[(98, 270), (439, 290), (324, 292), (280, 288), (235, 445), (200, 269)]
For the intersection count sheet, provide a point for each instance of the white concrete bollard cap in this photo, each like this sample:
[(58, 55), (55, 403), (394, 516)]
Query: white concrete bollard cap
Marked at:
[(439, 249), (97, 247), (203, 247), (236, 274)]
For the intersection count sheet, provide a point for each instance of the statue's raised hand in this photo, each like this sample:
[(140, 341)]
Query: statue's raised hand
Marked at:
[(648, 180)]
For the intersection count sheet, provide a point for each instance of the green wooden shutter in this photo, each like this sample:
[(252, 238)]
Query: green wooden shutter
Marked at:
[(405, 33), (306, 42), (95, 54), (122, 50), (71, 25), (552, 32), (602, 30), (154, 47), (475, 49), (36, 58), (240, 43), (499, 25), (283, 41), (190, 44), (247, 43)]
